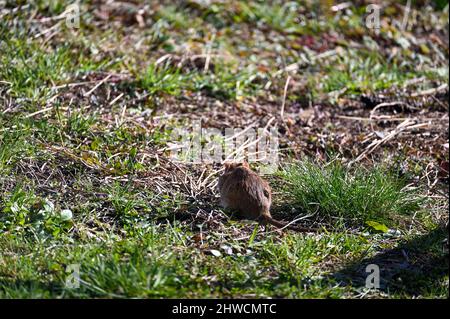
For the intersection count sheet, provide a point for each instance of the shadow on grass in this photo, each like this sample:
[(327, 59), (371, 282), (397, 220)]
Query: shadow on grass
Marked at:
[(415, 267), (17, 288)]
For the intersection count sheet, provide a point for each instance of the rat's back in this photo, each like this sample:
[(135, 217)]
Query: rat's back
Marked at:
[(244, 191)]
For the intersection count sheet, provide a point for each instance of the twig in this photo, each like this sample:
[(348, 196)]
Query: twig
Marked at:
[(39, 112), (55, 26), (430, 91), (296, 66), (372, 112), (98, 84), (116, 99), (208, 53), (385, 118), (248, 143), (406, 125), (284, 97)]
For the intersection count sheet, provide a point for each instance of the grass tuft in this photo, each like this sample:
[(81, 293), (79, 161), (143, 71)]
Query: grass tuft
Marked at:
[(358, 194)]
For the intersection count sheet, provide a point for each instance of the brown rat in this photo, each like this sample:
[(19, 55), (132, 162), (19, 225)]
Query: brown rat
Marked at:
[(244, 191)]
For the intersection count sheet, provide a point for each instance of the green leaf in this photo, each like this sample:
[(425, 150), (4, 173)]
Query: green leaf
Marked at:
[(377, 226), (133, 152), (252, 237)]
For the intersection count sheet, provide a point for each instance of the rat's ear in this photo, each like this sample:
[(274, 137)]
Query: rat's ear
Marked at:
[(227, 166), (245, 164)]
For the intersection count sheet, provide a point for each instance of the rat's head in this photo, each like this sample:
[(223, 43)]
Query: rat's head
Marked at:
[(230, 166)]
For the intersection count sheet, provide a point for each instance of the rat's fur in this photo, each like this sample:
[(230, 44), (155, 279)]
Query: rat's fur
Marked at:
[(243, 191)]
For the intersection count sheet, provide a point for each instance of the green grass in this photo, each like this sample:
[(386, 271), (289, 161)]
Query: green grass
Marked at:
[(14, 144), (33, 71), (158, 261), (87, 181), (358, 194), (226, 82), (364, 74)]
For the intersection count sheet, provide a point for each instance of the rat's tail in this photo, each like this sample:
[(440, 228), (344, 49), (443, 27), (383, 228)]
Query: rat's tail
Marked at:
[(267, 219)]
